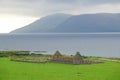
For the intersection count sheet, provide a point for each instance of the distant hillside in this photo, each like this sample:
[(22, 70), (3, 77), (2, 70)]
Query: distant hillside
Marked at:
[(63, 23), (44, 24), (90, 23)]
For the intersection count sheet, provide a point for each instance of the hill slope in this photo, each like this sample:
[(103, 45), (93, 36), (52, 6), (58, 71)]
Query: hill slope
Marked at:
[(63, 23), (43, 24), (90, 23)]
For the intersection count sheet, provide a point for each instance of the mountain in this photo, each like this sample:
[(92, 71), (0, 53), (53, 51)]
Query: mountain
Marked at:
[(63, 23), (43, 24), (90, 23)]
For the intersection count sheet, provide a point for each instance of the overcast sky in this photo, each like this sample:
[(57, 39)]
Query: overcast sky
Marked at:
[(18, 13), (44, 7)]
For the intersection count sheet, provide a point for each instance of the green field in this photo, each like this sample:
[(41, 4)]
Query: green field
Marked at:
[(10, 70)]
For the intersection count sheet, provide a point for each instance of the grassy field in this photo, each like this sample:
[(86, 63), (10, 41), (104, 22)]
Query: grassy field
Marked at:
[(10, 70)]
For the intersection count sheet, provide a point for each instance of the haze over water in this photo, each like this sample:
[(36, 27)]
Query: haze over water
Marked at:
[(89, 44)]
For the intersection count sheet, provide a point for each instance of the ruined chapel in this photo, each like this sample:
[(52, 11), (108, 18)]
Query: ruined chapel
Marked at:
[(77, 59)]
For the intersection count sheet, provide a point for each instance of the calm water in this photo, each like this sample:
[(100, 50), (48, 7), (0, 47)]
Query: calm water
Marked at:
[(94, 44)]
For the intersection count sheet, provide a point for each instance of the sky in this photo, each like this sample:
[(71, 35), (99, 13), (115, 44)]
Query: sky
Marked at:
[(18, 13)]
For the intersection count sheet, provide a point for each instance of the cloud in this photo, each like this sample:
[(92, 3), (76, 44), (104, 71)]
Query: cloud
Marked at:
[(44, 7), (62, 1), (84, 1)]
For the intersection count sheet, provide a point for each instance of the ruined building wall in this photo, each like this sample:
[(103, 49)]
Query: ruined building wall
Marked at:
[(77, 59)]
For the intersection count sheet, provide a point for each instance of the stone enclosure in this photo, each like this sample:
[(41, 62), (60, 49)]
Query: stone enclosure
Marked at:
[(24, 56)]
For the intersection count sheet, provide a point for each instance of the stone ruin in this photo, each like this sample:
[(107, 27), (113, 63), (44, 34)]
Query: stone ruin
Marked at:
[(77, 59)]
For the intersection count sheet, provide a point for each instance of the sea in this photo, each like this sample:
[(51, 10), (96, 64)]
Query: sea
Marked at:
[(88, 44)]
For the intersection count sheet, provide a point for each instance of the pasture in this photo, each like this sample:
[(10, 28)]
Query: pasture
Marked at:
[(11, 70)]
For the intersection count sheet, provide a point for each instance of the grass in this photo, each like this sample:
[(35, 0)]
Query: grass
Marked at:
[(10, 70), (31, 58)]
